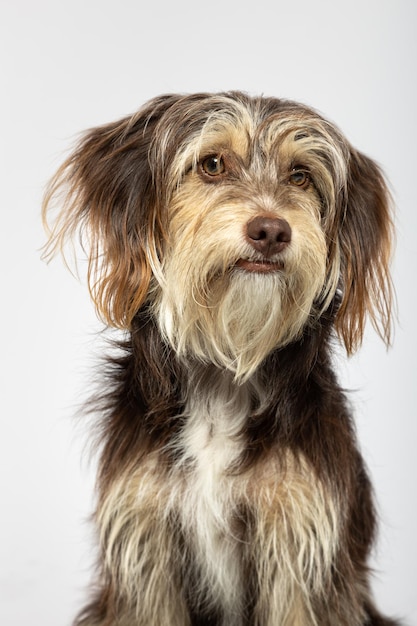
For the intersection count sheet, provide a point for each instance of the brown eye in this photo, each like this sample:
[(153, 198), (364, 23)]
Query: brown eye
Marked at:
[(213, 165), (299, 178)]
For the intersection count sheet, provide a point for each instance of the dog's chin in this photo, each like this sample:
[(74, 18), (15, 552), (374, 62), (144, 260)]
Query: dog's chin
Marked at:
[(242, 318)]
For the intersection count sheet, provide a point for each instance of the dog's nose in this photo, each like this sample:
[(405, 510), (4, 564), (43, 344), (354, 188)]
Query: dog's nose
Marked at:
[(268, 235)]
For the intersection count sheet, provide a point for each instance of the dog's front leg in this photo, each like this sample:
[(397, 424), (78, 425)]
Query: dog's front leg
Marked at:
[(141, 582), (281, 599), (294, 542)]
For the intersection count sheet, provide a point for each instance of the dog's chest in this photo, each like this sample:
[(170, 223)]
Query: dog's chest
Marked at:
[(211, 443)]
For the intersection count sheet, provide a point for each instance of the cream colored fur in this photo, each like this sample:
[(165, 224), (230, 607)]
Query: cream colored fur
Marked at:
[(295, 527)]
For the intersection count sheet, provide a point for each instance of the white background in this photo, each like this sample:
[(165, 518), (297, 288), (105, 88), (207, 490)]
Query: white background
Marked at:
[(70, 65)]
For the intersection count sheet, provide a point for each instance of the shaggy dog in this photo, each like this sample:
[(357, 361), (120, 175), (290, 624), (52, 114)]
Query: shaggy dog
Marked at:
[(232, 239)]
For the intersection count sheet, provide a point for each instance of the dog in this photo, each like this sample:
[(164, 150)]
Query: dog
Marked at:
[(232, 239)]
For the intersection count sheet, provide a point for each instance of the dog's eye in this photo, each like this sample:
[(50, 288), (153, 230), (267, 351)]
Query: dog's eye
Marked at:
[(299, 178), (213, 165)]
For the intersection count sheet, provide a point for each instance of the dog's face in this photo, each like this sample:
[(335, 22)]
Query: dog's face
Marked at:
[(235, 219), (245, 263)]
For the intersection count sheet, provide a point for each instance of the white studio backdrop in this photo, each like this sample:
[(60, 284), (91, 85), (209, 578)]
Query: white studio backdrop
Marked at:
[(73, 64)]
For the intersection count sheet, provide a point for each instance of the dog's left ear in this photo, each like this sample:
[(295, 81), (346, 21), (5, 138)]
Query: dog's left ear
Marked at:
[(365, 239)]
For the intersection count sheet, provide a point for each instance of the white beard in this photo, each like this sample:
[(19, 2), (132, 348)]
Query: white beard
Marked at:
[(244, 317)]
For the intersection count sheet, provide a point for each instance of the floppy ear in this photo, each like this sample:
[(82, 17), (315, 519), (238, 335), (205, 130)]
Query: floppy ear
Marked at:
[(109, 198), (365, 240)]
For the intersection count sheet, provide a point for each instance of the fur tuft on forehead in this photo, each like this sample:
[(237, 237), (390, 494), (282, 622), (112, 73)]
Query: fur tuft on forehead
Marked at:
[(195, 125)]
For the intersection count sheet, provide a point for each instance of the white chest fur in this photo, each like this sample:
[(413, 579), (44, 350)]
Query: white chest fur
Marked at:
[(296, 518), (211, 443)]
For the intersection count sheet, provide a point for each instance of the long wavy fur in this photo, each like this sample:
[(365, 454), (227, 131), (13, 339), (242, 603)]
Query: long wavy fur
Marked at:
[(231, 489)]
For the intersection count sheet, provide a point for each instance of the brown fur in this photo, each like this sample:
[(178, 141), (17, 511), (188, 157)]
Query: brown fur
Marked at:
[(231, 489)]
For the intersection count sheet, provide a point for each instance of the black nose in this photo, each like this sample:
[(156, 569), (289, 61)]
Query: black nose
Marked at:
[(268, 235)]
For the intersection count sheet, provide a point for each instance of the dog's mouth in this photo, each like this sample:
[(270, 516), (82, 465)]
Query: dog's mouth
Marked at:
[(263, 266)]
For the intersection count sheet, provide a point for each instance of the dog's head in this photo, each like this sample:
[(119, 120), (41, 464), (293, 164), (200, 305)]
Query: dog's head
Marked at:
[(236, 220)]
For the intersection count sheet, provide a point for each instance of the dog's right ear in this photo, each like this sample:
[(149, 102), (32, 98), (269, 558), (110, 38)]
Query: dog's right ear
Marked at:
[(105, 192)]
